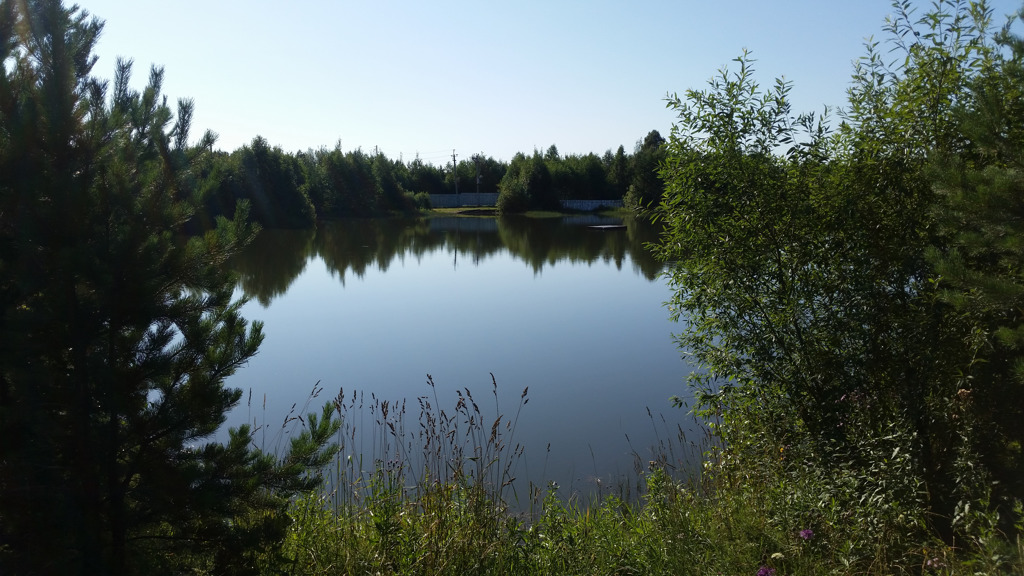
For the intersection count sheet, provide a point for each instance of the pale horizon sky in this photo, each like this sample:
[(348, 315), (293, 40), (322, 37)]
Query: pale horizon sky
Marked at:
[(424, 78)]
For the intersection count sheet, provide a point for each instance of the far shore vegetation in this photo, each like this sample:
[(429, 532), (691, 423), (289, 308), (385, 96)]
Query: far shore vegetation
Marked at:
[(850, 285)]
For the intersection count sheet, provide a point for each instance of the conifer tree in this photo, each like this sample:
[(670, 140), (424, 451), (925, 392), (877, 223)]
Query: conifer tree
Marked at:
[(116, 334), (979, 256)]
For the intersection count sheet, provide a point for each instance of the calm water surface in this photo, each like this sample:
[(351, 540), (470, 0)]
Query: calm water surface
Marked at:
[(573, 313)]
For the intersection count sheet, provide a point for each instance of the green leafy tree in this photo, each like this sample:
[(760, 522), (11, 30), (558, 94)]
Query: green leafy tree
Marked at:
[(465, 172), (514, 195), (559, 173), (745, 230), (588, 177), (269, 181), (352, 183), (425, 178), (619, 174), (800, 270), (646, 188), (527, 185), (116, 334), (314, 180), (389, 194), (490, 172)]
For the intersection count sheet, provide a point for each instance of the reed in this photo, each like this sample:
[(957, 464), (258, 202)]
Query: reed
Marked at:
[(432, 491)]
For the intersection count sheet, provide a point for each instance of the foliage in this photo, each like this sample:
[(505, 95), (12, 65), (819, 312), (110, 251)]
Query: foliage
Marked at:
[(419, 200), (292, 191), (645, 188), (268, 179), (979, 257), (526, 185), (799, 270), (264, 177), (426, 178), (389, 520), (117, 332), (580, 177), (802, 270), (388, 192), (619, 173)]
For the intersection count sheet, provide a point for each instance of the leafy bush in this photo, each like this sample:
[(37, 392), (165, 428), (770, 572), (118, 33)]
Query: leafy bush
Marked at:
[(800, 270)]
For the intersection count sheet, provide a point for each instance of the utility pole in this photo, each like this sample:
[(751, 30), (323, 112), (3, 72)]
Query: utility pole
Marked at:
[(455, 176), (476, 160)]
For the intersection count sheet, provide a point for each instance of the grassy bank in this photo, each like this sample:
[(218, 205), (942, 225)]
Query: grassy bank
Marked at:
[(454, 529), (433, 496), (464, 211), (491, 211)]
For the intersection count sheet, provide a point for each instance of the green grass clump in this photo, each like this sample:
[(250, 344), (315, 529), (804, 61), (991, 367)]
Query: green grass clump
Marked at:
[(674, 530), (435, 499)]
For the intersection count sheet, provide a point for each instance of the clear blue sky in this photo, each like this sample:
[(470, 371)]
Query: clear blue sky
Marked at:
[(493, 77)]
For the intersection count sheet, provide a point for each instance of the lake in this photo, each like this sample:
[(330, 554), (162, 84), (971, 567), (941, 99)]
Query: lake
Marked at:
[(370, 308)]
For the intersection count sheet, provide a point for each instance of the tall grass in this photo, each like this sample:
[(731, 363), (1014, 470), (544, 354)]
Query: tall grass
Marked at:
[(435, 493), (383, 452)]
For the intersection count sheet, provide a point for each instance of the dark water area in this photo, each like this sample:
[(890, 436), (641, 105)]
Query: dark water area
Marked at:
[(368, 308)]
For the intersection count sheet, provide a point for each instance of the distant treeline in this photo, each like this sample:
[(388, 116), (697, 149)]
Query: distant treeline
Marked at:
[(288, 190)]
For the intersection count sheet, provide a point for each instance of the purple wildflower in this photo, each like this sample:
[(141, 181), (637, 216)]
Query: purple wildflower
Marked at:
[(807, 533), (765, 571)]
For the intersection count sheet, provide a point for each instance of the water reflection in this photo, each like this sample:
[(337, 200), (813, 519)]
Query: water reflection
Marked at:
[(350, 247), (573, 313), (272, 262)]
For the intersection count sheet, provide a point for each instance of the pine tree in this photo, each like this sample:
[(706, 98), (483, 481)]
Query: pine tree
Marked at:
[(116, 333), (979, 257)]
